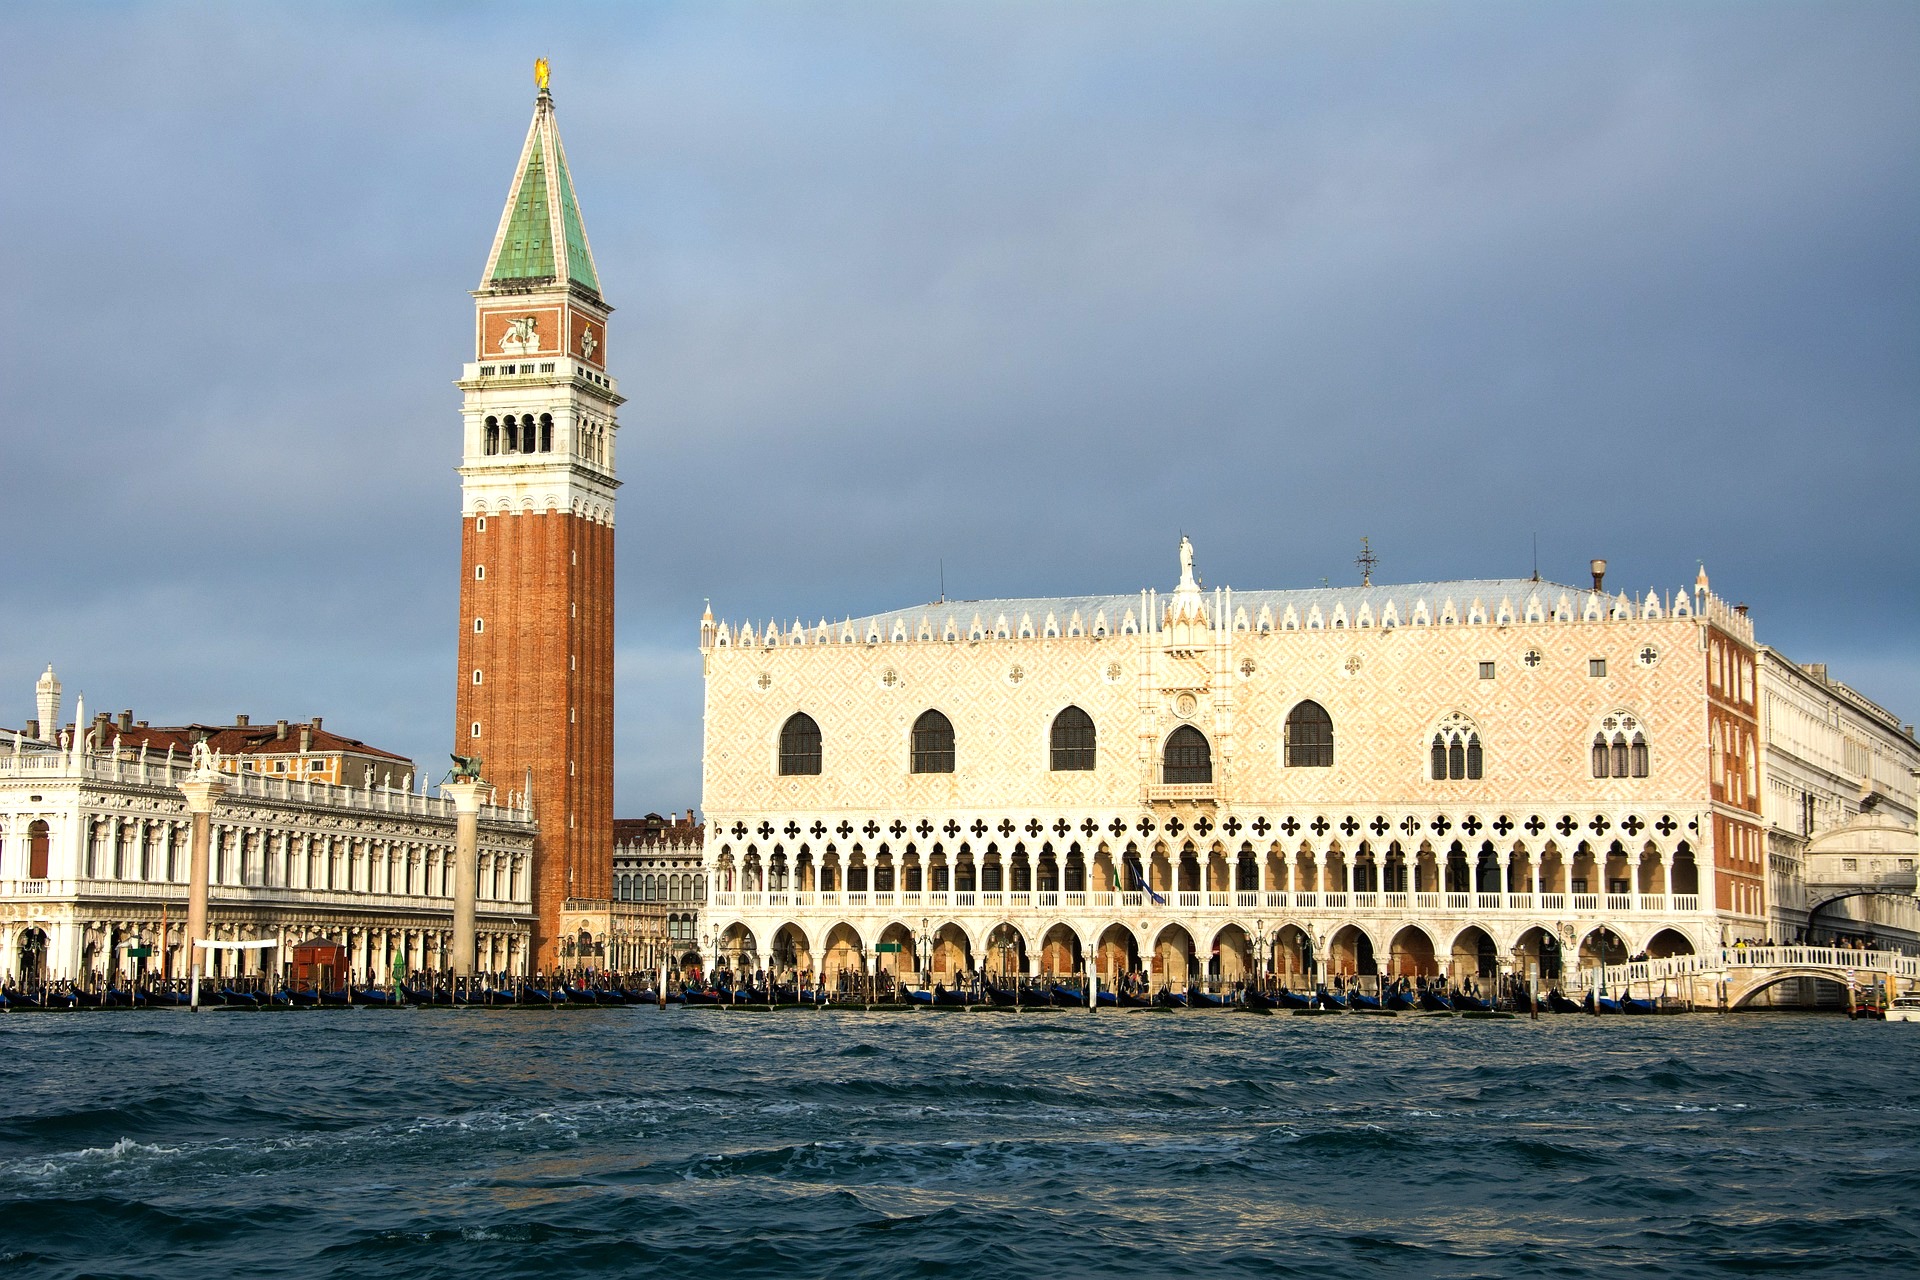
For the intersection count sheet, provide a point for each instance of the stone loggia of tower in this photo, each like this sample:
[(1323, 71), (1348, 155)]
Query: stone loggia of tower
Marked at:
[(535, 698)]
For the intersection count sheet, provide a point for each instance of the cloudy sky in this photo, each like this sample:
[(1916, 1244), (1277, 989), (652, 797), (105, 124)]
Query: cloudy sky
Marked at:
[(1023, 288)]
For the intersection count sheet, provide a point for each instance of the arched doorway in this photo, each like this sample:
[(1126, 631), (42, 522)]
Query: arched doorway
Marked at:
[(842, 957), (1668, 943), (736, 949), (1537, 955), (1059, 951), (1292, 960), (32, 959), (1006, 958), (952, 954), (1231, 962), (1410, 954), (790, 955), (1602, 947), (1474, 957), (1173, 958), (902, 962), (1116, 954), (1350, 953)]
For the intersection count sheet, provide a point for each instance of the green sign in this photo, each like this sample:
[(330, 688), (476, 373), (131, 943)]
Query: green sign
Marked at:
[(139, 953), (886, 946)]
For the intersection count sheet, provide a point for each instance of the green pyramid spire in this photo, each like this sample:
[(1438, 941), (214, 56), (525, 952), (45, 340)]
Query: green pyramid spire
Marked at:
[(542, 238), (527, 252), (579, 260)]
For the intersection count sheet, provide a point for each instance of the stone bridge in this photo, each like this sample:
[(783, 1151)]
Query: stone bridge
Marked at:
[(1740, 973), (1873, 854)]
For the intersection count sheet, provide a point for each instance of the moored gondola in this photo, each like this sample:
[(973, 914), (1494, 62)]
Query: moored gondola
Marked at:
[(1166, 998), (1558, 1002), (1401, 1002), (1606, 1004), (1434, 1002), (1330, 1000), (1361, 1002), (1465, 1003), (1633, 1004), (1197, 999)]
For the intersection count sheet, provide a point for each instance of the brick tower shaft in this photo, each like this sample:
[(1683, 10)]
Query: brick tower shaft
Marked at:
[(535, 698)]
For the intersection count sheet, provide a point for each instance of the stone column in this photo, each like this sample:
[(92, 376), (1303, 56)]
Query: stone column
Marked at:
[(466, 869), (203, 790)]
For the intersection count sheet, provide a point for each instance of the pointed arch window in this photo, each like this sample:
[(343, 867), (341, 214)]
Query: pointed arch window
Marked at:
[(1188, 758), (1455, 755), (932, 743), (799, 746), (1620, 748), (1073, 741), (1309, 737)]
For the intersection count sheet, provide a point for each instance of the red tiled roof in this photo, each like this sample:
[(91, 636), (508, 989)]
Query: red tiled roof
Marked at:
[(239, 740), (654, 829)]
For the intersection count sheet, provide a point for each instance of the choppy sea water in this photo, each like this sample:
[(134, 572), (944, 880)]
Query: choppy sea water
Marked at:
[(690, 1142)]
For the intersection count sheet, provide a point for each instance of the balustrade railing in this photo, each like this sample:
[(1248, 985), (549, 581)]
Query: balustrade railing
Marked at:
[(132, 768), (1238, 900)]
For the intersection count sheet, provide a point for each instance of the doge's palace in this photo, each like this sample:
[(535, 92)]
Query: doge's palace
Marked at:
[(1465, 778)]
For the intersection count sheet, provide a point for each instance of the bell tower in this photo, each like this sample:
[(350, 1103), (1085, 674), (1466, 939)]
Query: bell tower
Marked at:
[(535, 693)]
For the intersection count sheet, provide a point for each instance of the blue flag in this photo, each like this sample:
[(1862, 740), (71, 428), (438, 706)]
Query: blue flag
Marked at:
[(1139, 882)]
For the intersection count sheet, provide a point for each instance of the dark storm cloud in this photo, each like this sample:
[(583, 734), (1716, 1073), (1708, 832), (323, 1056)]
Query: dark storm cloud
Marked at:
[(1026, 289)]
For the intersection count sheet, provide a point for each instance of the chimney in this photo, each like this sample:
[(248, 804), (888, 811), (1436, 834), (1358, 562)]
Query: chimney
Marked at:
[(1818, 670), (126, 721), (306, 737), (1599, 568), (316, 722), (140, 724), (241, 722), (280, 730), (33, 730)]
